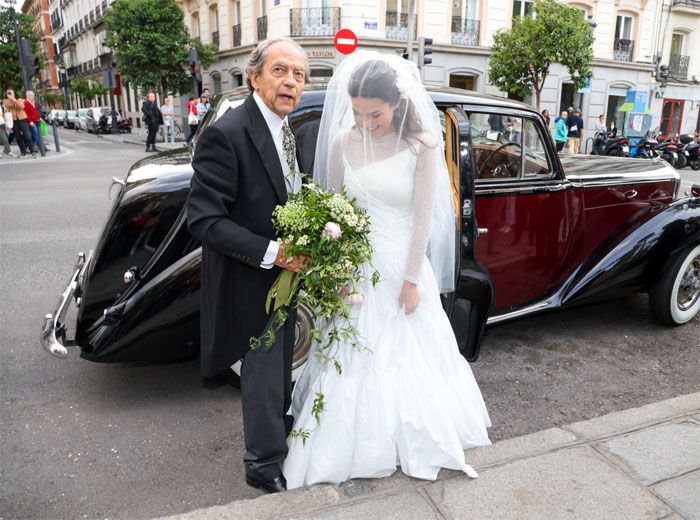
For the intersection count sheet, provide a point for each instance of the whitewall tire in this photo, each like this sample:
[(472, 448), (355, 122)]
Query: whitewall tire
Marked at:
[(675, 299)]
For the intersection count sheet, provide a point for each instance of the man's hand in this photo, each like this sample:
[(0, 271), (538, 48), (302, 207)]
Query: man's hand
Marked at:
[(297, 263), (409, 299)]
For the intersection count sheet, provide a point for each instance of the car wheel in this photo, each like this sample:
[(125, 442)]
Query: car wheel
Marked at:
[(302, 346), (695, 165), (675, 299)]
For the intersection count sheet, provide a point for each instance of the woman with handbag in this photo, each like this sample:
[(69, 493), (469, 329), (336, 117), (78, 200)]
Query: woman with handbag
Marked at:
[(5, 121), (192, 118)]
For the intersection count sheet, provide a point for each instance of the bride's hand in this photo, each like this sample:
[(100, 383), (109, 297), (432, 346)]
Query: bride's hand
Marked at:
[(408, 299)]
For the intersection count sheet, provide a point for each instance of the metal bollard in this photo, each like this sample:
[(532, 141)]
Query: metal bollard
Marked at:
[(55, 137)]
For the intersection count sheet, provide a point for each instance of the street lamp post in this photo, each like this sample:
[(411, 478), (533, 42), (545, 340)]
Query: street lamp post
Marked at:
[(110, 83), (25, 73)]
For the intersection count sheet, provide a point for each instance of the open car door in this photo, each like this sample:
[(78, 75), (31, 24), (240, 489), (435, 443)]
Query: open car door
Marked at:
[(471, 303)]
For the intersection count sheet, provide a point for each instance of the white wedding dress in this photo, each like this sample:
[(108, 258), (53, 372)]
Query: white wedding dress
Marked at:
[(409, 399)]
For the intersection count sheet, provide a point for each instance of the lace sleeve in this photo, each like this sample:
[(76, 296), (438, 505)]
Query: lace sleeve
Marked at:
[(423, 198), (335, 165)]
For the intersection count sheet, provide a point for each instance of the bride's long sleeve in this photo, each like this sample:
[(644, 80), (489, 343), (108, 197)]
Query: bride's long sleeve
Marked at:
[(335, 165), (423, 199)]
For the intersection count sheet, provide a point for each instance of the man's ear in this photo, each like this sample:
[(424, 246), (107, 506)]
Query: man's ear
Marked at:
[(253, 76)]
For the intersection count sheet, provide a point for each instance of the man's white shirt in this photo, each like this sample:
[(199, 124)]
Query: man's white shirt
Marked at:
[(274, 124)]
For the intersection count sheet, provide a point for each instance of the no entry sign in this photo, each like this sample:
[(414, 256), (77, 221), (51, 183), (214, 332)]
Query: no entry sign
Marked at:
[(345, 41)]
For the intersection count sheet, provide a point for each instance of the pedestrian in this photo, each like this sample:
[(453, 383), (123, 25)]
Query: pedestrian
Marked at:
[(20, 125), (202, 108), (575, 124), (600, 125), (560, 130), (545, 115), (5, 125), (244, 165), (153, 119), (168, 125), (34, 119), (192, 118)]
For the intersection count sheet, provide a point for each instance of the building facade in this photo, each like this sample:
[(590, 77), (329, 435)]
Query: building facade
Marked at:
[(632, 39), (48, 75)]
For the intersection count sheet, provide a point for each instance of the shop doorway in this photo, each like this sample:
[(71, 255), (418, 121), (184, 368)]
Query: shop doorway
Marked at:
[(617, 96), (671, 118), (570, 97)]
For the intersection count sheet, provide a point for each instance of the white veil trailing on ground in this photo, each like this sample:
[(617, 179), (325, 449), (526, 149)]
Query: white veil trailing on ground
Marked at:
[(345, 134)]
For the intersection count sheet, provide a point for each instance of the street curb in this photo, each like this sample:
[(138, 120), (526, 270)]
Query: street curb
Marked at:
[(324, 498)]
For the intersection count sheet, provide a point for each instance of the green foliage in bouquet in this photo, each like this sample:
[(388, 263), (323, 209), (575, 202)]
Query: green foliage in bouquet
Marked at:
[(335, 232)]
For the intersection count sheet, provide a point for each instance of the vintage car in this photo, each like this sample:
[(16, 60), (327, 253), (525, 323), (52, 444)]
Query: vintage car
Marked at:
[(537, 232)]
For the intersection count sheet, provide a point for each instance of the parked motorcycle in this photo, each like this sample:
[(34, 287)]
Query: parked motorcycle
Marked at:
[(668, 151), (691, 151), (646, 147), (106, 124), (604, 144)]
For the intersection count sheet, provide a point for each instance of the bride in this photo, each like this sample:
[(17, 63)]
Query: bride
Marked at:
[(407, 398)]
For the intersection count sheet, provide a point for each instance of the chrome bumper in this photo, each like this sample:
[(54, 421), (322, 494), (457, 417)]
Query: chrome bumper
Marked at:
[(53, 334)]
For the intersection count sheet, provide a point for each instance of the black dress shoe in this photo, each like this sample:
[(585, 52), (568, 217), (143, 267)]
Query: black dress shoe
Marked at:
[(276, 485)]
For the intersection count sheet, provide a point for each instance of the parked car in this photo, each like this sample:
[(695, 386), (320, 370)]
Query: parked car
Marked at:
[(56, 116), (537, 232), (81, 119), (92, 120), (70, 118)]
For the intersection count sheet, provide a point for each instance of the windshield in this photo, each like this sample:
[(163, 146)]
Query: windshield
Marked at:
[(72, 112), (83, 112)]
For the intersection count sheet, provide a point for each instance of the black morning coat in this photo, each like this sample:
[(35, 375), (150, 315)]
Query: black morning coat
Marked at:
[(237, 183), (152, 115)]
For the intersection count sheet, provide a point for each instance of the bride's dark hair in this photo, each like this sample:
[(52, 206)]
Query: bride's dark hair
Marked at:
[(376, 79)]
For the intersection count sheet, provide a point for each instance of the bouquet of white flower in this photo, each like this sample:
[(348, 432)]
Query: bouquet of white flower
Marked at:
[(331, 229)]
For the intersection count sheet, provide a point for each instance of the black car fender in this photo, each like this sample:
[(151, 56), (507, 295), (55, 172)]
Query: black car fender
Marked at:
[(158, 322), (633, 263)]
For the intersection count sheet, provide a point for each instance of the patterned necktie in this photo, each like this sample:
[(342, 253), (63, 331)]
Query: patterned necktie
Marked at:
[(290, 152)]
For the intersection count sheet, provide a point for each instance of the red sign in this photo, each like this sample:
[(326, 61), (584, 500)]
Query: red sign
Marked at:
[(345, 41)]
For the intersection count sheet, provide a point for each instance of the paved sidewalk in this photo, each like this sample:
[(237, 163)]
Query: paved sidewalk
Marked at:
[(638, 463), (133, 138)]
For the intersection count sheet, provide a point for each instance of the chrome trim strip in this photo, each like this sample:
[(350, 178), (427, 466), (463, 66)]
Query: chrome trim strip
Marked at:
[(540, 306), (54, 322)]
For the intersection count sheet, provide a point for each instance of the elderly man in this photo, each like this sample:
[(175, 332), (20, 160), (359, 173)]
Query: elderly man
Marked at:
[(34, 119), (153, 118), (244, 164)]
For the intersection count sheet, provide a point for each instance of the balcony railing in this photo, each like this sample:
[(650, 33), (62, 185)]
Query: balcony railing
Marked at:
[(688, 3), (314, 21), (215, 38), (623, 50), (262, 28), (465, 31), (236, 35), (397, 26), (678, 65)]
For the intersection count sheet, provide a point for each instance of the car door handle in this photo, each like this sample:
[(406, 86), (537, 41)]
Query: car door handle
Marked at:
[(631, 194), (483, 230)]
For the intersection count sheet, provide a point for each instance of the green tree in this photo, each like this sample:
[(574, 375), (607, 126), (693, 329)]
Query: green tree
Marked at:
[(10, 71), (521, 58), (81, 87), (150, 43)]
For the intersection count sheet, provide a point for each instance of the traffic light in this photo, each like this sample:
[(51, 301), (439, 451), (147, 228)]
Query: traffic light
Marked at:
[(424, 49), (193, 59), (30, 60)]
